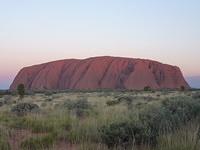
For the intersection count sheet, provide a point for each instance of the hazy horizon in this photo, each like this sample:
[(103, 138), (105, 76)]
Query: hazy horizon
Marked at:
[(34, 32)]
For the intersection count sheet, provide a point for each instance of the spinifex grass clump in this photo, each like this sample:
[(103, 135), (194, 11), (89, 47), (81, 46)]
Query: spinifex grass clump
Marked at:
[(38, 143), (4, 145), (185, 138), (43, 124), (36, 125)]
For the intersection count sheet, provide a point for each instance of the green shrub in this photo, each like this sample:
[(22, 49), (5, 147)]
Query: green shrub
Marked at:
[(126, 99), (147, 88), (80, 107), (23, 108), (112, 102), (156, 120), (49, 99), (184, 109), (125, 134), (171, 115)]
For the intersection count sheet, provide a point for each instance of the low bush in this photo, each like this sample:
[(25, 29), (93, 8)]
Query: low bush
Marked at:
[(126, 99), (147, 88), (182, 109), (171, 115), (23, 108), (80, 107), (49, 99), (126, 134), (156, 120), (112, 102)]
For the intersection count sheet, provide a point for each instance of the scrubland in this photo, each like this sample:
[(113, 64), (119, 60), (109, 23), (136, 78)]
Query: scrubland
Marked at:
[(100, 120)]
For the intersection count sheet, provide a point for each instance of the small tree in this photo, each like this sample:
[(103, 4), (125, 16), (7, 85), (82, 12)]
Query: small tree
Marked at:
[(21, 90), (182, 88)]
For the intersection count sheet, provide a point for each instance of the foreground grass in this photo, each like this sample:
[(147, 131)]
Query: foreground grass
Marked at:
[(106, 120), (4, 145)]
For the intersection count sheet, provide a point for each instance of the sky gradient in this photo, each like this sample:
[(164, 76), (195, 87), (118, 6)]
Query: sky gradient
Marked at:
[(38, 31)]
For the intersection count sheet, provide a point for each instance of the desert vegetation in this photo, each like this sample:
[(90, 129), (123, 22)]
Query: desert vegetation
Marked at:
[(102, 120)]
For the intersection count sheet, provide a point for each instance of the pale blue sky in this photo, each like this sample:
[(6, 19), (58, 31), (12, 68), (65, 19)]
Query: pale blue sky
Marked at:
[(36, 31)]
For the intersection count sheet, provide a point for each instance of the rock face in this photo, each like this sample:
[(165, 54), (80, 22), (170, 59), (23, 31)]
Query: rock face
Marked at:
[(100, 73)]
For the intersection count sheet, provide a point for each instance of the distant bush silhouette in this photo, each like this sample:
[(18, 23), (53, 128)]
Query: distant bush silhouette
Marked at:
[(147, 88)]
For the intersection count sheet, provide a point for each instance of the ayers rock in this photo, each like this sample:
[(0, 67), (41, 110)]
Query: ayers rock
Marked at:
[(100, 73)]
